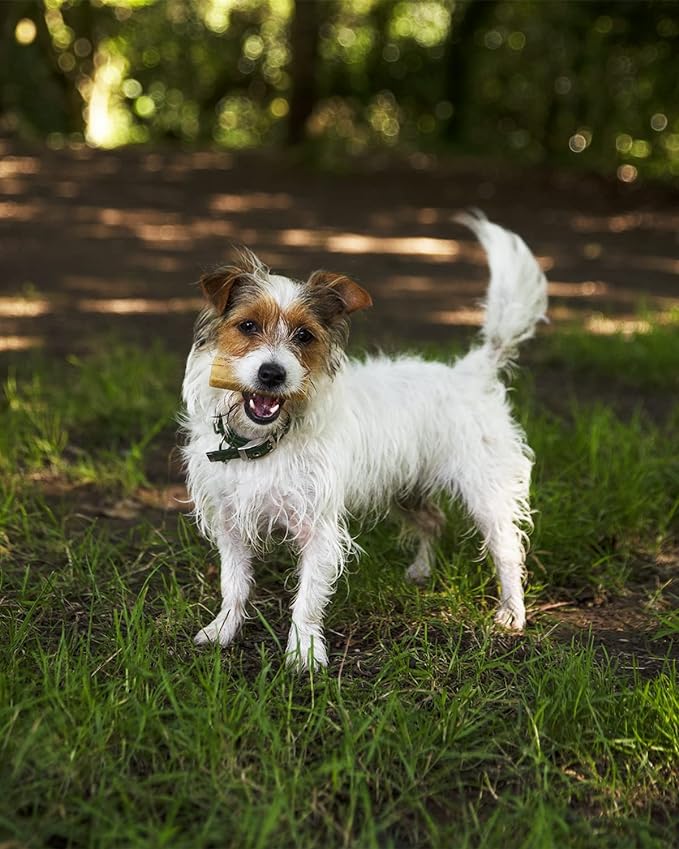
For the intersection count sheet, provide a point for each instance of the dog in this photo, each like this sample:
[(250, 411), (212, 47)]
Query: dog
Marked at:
[(285, 433)]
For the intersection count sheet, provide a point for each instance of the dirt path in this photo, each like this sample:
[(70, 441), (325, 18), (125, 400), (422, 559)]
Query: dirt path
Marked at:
[(93, 242)]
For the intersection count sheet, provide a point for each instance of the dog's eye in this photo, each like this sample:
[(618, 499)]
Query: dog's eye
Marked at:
[(303, 336), (248, 327)]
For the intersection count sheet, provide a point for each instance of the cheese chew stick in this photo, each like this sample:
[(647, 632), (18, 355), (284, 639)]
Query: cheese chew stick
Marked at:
[(221, 375)]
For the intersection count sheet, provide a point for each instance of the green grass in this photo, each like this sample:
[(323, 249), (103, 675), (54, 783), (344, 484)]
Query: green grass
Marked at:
[(91, 420), (429, 729), (636, 360)]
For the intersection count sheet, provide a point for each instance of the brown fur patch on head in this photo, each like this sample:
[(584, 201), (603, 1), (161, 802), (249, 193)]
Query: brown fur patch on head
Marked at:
[(252, 306), (220, 284), (344, 295), (275, 325), (245, 315), (312, 332), (318, 355), (332, 298)]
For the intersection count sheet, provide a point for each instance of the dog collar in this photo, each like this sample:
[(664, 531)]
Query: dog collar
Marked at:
[(240, 446)]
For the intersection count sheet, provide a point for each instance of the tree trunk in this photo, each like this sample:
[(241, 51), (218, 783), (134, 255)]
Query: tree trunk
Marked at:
[(10, 14), (459, 58), (304, 40), (72, 103)]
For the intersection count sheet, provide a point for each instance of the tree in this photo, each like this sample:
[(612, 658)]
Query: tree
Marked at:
[(305, 29), (460, 54)]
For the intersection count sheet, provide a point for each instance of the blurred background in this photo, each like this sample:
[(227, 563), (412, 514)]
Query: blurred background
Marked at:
[(142, 135), (592, 84)]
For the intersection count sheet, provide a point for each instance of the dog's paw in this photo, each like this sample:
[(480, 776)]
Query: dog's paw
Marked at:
[(419, 571), (306, 651), (218, 631), (511, 615)]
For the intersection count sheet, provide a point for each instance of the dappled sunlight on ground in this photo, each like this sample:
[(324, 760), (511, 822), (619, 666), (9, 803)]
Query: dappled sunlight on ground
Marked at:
[(626, 222), (355, 243), (13, 166), (28, 308), (20, 343), (603, 325), (98, 242), (247, 203), (139, 306), (13, 211), (23, 307), (459, 318)]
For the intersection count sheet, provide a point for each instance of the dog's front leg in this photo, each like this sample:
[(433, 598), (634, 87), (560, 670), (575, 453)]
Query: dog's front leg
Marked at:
[(320, 562), (236, 579)]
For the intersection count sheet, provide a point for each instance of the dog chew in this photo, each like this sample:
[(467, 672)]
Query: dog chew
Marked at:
[(221, 376)]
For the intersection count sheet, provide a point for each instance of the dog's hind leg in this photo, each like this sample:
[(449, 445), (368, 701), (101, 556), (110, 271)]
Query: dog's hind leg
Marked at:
[(507, 549), (495, 489), (236, 580), (504, 539), (424, 520)]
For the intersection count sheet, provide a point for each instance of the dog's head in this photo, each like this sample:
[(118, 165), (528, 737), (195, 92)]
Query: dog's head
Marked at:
[(274, 337)]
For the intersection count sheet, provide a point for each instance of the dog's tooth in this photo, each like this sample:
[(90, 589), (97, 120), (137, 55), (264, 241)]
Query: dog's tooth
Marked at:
[(274, 409), (251, 402)]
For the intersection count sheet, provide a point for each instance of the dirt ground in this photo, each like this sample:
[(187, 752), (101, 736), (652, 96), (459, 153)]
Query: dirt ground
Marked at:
[(112, 241), (94, 243)]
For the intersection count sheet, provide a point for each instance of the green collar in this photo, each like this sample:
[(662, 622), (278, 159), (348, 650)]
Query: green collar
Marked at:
[(239, 446)]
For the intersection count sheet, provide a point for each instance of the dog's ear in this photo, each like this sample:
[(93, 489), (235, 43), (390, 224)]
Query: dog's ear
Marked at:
[(218, 285), (350, 296)]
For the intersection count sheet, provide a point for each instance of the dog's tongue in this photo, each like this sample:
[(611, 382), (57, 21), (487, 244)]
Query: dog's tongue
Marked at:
[(263, 407)]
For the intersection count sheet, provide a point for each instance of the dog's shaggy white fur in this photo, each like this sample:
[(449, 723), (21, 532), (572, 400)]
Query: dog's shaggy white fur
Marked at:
[(352, 437)]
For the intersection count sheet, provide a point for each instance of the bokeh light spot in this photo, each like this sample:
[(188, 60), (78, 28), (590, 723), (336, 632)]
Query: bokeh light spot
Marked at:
[(66, 62), (82, 48), (623, 143), (253, 47), (493, 39), (627, 173), (577, 142), (641, 148), (132, 88), (144, 106), (25, 31), (279, 107), (659, 122)]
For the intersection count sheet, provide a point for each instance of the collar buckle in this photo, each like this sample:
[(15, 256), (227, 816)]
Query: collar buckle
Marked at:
[(233, 446), (253, 444)]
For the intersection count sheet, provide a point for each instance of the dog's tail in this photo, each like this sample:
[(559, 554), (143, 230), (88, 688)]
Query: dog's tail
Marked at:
[(517, 293)]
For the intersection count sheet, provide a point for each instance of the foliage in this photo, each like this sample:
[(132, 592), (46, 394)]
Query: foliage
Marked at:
[(592, 82)]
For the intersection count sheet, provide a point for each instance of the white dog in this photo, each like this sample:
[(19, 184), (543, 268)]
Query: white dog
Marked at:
[(284, 432)]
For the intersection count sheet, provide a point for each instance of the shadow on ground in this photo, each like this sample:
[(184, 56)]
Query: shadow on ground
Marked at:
[(96, 242)]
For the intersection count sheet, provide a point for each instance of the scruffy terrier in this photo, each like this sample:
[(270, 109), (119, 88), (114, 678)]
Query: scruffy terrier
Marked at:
[(285, 433)]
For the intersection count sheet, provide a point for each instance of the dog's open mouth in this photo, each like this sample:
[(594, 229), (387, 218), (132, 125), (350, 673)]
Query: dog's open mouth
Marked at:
[(262, 409)]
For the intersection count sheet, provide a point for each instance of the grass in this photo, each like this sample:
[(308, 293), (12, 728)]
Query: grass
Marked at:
[(631, 360), (429, 729)]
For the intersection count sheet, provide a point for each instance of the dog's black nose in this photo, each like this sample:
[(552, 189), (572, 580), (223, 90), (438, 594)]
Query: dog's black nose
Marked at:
[(271, 375)]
